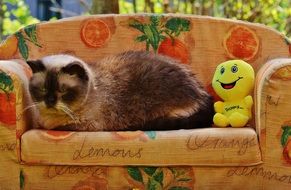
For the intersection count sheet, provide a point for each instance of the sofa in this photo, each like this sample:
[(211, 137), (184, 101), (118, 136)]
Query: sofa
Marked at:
[(257, 156)]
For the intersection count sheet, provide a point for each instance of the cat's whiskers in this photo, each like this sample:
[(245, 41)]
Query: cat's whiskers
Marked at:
[(68, 112), (30, 106), (27, 108)]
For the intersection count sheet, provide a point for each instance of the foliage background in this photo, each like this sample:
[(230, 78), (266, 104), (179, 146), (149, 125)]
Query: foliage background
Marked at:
[(17, 17), (274, 13)]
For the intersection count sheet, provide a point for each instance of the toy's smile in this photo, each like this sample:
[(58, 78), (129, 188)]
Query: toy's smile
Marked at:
[(228, 86)]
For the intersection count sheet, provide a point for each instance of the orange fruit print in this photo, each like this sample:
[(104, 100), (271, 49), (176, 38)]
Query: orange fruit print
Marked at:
[(8, 47), (174, 48), (287, 152), (95, 33), (241, 43), (283, 73), (162, 35), (129, 135), (56, 135), (7, 109)]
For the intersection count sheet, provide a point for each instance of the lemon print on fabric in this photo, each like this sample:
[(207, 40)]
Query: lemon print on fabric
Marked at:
[(233, 82)]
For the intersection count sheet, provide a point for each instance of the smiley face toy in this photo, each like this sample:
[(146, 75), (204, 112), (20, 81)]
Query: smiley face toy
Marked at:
[(233, 82)]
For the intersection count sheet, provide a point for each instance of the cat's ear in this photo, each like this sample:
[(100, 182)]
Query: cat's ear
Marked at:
[(36, 66), (75, 68)]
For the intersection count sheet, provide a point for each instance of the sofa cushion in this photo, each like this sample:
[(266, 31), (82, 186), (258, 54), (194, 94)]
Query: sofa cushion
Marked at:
[(211, 146)]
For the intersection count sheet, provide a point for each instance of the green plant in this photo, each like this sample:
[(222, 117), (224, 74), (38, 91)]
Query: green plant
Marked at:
[(273, 13), (16, 18), (155, 32), (156, 178)]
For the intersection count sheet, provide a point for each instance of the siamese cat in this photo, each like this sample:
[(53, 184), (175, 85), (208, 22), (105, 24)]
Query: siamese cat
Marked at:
[(133, 90)]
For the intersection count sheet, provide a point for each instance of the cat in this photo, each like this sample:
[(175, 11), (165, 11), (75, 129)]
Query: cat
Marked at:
[(133, 90)]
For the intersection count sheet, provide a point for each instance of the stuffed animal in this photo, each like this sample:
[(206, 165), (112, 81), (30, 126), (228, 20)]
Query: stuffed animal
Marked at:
[(233, 82)]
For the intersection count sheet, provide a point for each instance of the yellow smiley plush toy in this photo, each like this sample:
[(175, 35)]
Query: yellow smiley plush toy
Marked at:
[(233, 82)]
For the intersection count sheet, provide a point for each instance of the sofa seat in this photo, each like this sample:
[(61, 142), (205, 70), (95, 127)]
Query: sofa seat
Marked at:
[(206, 147)]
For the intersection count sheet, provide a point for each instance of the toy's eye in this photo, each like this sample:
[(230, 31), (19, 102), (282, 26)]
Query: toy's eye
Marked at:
[(234, 69), (222, 70)]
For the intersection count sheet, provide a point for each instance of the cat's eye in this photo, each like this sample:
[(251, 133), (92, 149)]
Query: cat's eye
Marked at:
[(70, 95), (41, 89), (37, 92), (63, 88)]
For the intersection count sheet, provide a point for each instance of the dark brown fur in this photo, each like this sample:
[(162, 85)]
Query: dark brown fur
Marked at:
[(135, 91)]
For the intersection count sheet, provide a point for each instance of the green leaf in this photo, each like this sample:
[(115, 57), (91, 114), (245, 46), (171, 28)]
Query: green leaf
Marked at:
[(5, 79), (148, 32), (21, 177), (6, 82), (159, 177), (152, 37), (150, 170), (135, 174), (147, 45), (156, 38), (23, 49), (179, 188), (155, 20), (162, 37), (178, 25), (137, 25), (30, 31), (141, 38), (152, 185), (184, 179), (174, 171), (285, 135), (151, 134)]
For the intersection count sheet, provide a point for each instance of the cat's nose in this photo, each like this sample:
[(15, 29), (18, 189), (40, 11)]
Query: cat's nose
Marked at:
[(51, 101)]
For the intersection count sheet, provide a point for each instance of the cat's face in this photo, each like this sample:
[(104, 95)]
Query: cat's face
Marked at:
[(59, 86)]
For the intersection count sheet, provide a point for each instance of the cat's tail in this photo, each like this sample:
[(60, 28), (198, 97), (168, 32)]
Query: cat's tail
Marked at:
[(202, 118)]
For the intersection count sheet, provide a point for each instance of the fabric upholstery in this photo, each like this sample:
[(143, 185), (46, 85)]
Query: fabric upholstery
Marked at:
[(254, 157), (206, 147)]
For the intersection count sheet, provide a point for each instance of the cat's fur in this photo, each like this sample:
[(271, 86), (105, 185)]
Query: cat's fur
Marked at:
[(128, 91)]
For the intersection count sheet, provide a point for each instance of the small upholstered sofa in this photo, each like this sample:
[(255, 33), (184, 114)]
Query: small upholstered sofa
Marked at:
[(257, 156)]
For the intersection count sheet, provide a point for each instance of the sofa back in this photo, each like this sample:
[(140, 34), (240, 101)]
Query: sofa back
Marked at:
[(201, 42)]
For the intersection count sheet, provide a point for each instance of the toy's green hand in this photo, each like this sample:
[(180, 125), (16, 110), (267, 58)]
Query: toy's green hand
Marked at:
[(218, 107), (249, 101)]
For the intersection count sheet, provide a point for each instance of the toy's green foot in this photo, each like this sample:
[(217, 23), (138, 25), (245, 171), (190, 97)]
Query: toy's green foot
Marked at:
[(238, 120), (220, 120)]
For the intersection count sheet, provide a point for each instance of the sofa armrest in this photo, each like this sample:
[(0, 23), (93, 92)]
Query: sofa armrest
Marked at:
[(272, 111), (14, 75)]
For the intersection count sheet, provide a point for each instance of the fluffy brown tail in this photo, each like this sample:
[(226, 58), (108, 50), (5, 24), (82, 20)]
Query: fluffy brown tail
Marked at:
[(201, 119)]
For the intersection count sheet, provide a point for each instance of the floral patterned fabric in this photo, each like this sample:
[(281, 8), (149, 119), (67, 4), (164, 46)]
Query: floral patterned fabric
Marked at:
[(257, 157)]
